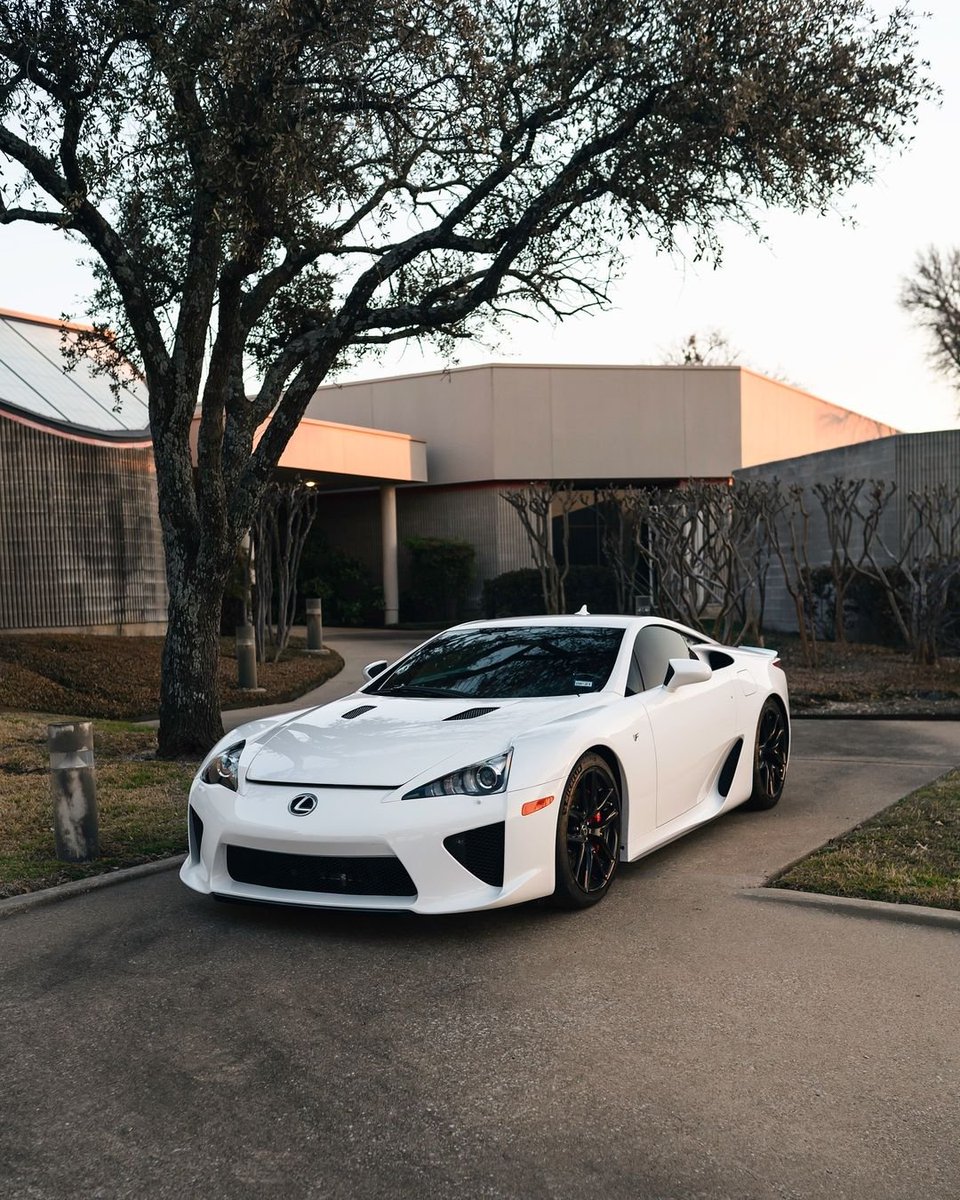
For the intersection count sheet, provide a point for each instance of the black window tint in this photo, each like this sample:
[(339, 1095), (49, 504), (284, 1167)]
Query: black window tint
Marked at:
[(654, 648), (545, 660), (634, 678)]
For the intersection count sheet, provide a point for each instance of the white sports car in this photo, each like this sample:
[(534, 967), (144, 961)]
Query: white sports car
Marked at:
[(498, 762)]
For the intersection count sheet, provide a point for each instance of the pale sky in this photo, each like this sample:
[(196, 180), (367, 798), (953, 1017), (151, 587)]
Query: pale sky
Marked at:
[(816, 303)]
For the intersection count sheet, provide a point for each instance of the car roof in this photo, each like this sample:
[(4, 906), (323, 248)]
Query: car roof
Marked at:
[(589, 620)]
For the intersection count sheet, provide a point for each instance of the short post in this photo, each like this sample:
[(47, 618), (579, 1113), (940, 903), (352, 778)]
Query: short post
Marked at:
[(73, 789), (247, 658), (315, 625)]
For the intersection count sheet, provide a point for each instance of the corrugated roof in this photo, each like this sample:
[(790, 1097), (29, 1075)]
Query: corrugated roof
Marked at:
[(34, 379)]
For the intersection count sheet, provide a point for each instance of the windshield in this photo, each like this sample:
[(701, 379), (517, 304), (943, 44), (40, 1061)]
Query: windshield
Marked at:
[(531, 660)]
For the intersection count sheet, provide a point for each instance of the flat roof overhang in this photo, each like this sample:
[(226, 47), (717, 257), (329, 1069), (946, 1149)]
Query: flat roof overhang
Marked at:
[(333, 455)]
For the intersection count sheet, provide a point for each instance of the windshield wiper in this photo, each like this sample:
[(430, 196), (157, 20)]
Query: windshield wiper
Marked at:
[(414, 689)]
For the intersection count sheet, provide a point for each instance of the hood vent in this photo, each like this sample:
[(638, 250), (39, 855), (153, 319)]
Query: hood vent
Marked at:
[(469, 713), (358, 712)]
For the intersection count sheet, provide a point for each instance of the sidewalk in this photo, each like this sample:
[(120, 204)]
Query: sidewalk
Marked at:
[(358, 647)]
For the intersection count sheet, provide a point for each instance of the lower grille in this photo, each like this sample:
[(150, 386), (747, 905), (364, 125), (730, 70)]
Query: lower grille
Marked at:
[(480, 851), (335, 875)]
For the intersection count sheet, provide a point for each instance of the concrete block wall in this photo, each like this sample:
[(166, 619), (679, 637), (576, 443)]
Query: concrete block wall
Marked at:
[(80, 544)]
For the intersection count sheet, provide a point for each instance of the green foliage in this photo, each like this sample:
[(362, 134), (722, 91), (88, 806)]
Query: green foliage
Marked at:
[(514, 594), (440, 570), (520, 593), (342, 582)]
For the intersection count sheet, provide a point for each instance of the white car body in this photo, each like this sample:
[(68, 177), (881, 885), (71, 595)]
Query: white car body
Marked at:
[(673, 746)]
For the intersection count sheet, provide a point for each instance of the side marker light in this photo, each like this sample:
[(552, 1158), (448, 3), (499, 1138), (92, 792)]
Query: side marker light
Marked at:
[(533, 806)]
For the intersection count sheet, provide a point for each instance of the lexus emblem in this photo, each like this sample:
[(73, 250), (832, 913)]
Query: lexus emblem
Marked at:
[(303, 804)]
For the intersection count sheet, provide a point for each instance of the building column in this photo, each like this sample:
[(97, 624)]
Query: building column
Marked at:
[(388, 539)]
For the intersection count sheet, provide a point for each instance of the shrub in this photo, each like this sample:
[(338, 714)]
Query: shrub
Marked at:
[(520, 593), (514, 594), (441, 570), (342, 582)]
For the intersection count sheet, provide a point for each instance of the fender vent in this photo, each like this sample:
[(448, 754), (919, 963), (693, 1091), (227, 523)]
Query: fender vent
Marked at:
[(469, 713), (358, 712), (729, 768)]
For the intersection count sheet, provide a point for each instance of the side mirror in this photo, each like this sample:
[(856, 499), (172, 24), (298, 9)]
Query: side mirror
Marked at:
[(687, 670), (372, 670)]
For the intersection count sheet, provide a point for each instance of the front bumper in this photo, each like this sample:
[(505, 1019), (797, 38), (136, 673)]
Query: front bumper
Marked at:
[(249, 846)]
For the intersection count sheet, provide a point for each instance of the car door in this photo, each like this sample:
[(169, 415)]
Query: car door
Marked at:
[(692, 727)]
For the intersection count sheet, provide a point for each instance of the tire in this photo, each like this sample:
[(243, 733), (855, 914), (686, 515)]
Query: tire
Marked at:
[(770, 753), (588, 834)]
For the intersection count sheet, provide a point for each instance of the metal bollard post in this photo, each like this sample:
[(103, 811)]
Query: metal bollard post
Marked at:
[(247, 658), (73, 788), (315, 625)]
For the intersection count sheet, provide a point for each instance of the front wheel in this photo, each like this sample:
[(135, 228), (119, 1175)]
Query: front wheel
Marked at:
[(770, 756), (588, 834)]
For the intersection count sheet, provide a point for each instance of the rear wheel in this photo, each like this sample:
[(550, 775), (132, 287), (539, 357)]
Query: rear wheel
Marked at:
[(769, 756), (588, 834)]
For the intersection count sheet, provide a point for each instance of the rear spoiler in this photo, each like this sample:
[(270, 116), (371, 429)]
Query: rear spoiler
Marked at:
[(762, 651)]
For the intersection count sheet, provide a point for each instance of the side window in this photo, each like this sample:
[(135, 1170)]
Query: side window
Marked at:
[(652, 651)]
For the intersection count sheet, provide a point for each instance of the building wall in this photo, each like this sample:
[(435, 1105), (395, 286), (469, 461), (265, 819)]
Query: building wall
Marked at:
[(779, 421), (911, 461), (80, 544), (510, 422), (477, 514)]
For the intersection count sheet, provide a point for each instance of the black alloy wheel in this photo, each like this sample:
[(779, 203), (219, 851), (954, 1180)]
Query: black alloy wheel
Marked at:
[(770, 756), (588, 834)]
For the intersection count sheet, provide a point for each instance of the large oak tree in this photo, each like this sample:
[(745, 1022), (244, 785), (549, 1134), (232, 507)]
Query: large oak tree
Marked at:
[(274, 186)]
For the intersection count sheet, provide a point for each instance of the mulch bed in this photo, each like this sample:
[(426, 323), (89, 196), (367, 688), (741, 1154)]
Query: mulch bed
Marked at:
[(119, 677), (855, 680)]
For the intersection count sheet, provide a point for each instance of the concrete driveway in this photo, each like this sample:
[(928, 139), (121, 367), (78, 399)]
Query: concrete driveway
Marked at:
[(678, 1041)]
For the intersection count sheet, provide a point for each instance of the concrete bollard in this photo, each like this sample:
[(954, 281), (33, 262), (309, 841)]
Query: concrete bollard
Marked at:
[(247, 658), (315, 625), (73, 789)]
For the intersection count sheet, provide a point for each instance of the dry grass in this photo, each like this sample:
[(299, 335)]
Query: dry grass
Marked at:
[(119, 677), (908, 854), (141, 802)]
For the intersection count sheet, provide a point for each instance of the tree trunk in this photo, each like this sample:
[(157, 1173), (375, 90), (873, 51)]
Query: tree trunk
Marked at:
[(190, 719)]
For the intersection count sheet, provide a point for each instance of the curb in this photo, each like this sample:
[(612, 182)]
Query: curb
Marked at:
[(817, 715), (874, 910), (78, 887)]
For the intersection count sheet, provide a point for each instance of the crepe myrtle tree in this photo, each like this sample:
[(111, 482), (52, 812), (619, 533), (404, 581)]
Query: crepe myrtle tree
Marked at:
[(271, 188)]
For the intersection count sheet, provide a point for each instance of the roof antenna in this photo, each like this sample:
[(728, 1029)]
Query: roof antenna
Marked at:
[(582, 611)]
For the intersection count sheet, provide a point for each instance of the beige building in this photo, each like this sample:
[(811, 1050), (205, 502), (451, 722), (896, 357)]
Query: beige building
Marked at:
[(489, 428)]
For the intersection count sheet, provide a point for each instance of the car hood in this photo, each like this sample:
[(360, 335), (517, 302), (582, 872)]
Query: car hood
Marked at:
[(396, 738)]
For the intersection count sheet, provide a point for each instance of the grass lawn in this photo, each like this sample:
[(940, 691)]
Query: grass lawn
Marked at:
[(142, 803), (119, 677), (907, 854)]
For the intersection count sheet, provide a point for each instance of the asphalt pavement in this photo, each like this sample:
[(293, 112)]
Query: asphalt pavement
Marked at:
[(678, 1041)]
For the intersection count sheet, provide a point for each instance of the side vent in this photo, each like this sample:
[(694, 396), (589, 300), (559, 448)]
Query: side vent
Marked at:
[(358, 712), (469, 713), (729, 769), (196, 834)]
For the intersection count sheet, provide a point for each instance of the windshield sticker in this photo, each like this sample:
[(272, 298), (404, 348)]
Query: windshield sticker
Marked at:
[(583, 683)]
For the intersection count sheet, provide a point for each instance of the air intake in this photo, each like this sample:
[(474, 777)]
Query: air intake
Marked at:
[(469, 713), (358, 712), (480, 851)]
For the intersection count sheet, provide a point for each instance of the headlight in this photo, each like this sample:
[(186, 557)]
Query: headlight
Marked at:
[(480, 779), (222, 768)]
